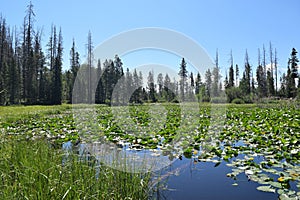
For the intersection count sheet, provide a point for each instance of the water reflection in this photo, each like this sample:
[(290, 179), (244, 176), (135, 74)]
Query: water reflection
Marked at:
[(181, 179)]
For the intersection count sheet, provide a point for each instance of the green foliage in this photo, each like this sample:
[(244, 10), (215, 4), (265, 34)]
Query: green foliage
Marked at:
[(34, 170), (183, 74), (218, 100), (261, 141), (238, 101), (233, 93)]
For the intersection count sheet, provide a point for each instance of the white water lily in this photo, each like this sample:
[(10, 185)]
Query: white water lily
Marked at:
[(294, 151), (249, 172)]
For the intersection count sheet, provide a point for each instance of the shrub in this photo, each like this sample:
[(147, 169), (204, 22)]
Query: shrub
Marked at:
[(233, 93), (238, 101)]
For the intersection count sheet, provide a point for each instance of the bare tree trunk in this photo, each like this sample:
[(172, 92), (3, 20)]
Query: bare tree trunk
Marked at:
[(90, 60), (275, 60)]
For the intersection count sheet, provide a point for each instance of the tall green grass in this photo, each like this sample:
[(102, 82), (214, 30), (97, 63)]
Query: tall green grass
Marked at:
[(34, 170), (14, 113)]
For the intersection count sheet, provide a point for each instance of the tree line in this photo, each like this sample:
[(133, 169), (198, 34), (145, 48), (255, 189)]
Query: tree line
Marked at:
[(27, 74), (263, 82), (30, 75)]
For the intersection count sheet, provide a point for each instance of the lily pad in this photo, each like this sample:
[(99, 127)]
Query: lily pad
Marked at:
[(286, 197), (276, 184), (266, 188)]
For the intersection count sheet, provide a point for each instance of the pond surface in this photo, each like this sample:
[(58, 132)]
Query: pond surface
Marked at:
[(237, 152), (202, 180), (187, 178)]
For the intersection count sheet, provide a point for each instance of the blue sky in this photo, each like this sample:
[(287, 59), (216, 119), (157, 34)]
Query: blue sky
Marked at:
[(216, 24)]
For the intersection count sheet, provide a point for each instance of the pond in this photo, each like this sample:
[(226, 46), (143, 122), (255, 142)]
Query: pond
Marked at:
[(188, 178), (217, 151), (248, 151), (201, 180)]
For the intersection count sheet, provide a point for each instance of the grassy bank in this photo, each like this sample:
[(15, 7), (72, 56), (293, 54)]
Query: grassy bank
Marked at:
[(34, 170)]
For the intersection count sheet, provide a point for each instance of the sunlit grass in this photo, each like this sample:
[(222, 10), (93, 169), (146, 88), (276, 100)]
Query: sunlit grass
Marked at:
[(13, 113), (34, 170)]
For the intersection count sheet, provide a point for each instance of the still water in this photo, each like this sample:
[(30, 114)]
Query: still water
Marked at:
[(202, 180), (187, 179)]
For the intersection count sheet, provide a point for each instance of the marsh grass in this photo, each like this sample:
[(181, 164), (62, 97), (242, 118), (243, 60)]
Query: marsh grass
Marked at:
[(14, 113), (34, 170)]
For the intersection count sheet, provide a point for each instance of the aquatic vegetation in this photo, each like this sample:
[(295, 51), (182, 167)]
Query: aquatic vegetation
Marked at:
[(34, 170), (260, 141)]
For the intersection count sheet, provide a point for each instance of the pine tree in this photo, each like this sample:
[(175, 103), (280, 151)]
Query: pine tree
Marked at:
[(246, 80), (39, 62), (183, 73), (270, 83), (216, 78), (99, 94), (28, 70), (198, 83), (226, 83), (74, 67), (151, 87), (292, 74), (128, 89), (231, 77), (117, 75), (290, 84), (208, 82), (261, 83), (237, 73), (57, 73), (167, 91), (160, 83), (136, 85), (293, 62), (191, 87)]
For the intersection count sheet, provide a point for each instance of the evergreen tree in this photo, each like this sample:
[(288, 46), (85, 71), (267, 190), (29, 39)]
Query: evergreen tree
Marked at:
[(283, 86), (293, 62), (136, 96), (231, 77), (290, 84), (270, 84), (160, 83), (117, 75), (292, 74), (208, 82), (56, 89), (128, 86), (39, 62), (183, 73), (74, 67), (246, 80), (151, 87), (237, 72), (261, 82), (167, 92), (191, 87), (216, 78), (226, 83), (28, 70), (198, 83), (99, 94)]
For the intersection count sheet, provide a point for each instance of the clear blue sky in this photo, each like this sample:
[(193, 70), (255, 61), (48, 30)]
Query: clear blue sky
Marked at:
[(214, 24)]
